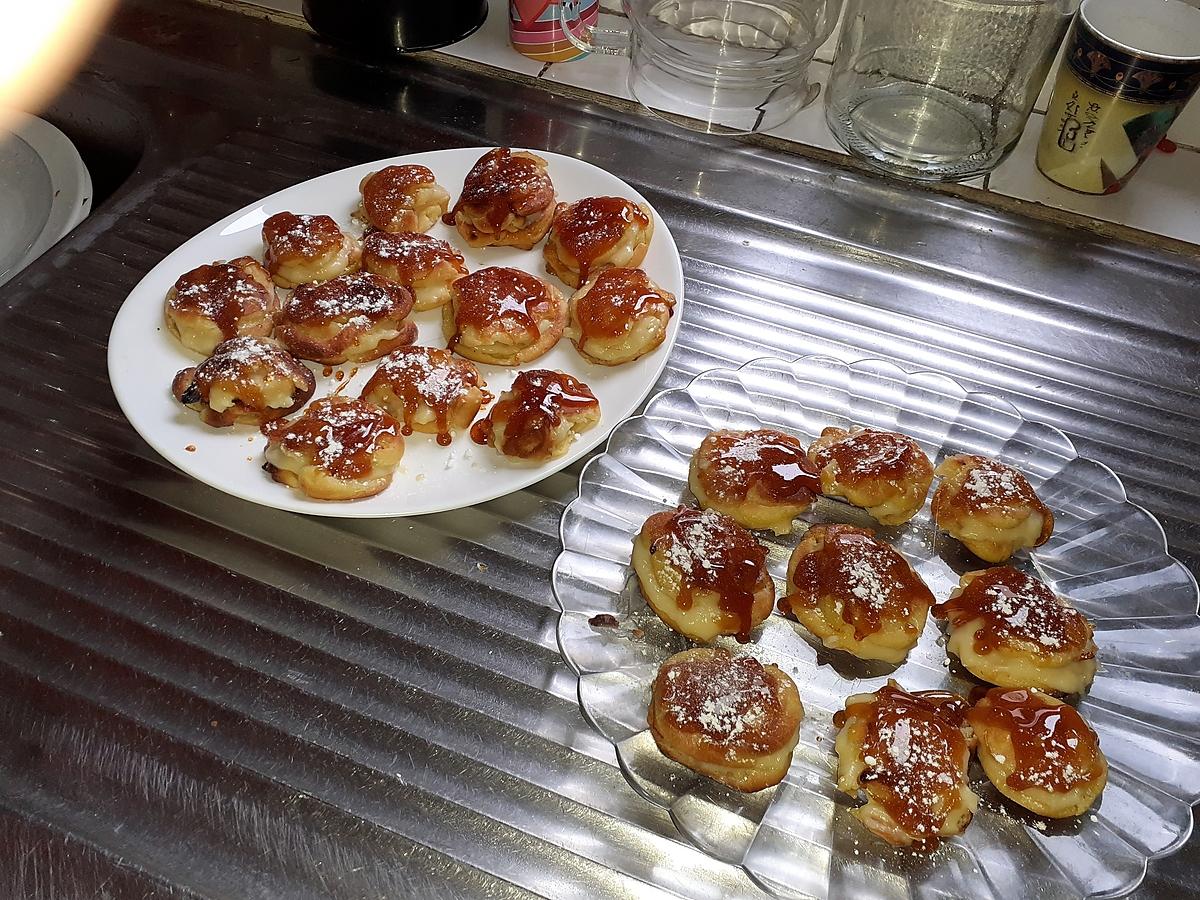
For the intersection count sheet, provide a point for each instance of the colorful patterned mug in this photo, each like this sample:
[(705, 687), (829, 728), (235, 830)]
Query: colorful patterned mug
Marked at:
[(1127, 71), (535, 27)]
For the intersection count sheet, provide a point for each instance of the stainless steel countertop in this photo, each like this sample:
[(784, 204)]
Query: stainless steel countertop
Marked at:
[(204, 698)]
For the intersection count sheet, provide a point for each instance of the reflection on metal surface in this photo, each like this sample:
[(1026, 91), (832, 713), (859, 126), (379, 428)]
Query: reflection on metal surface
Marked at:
[(211, 699)]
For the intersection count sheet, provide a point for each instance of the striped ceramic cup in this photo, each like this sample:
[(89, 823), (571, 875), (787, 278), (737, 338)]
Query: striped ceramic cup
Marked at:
[(535, 27)]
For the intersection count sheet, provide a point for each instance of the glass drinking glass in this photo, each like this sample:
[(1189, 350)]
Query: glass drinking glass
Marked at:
[(733, 66), (940, 90)]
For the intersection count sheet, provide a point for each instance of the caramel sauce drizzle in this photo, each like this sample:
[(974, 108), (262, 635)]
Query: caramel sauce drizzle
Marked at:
[(286, 234), (223, 293), (1055, 748), (590, 227), (531, 409), (1016, 607), (914, 755), (413, 255), (771, 460), (870, 455), (245, 364), (481, 431), (989, 484), (618, 299), (870, 578), (339, 434), (425, 376), (501, 183), (496, 295), (712, 553), (950, 706), (354, 296), (730, 700), (390, 191)]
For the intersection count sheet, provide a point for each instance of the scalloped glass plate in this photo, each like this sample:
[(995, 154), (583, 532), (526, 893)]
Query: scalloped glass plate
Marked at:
[(798, 839)]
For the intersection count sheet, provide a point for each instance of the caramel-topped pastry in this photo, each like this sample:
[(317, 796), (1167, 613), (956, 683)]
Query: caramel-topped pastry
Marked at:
[(761, 478), (338, 449), (990, 507), (1010, 629), (703, 573), (503, 316), (907, 753), (302, 248), (402, 198), (597, 233), (539, 416), (728, 717), (1038, 751), (350, 318), (422, 264), (246, 381), (428, 390), (214, 303), (884, 472), (619, 315), (856, 593), (507, 200)]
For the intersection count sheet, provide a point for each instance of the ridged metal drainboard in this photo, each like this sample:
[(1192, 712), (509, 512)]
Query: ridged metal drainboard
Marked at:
[(206, 698)]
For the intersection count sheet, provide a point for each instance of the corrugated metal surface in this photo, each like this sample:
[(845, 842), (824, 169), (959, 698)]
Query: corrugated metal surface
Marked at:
[(205, 698)]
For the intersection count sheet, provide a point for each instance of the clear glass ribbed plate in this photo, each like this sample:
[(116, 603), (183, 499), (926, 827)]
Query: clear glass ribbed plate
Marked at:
[(798, 839)]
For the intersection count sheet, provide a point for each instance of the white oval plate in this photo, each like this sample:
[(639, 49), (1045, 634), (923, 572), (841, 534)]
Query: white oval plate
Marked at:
[(143, 356)]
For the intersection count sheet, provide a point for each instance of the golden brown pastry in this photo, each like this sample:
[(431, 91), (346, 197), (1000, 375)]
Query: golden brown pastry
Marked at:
[(300, 248), (884, 472), (338, 449), (539, 416), (1010, 629), (1038, 751), (619, 315), (907, 754), (402, 198), (728, 717), (761, 478), (507, 200), (420, 263), (856, 593), (246, 381), (217, 302), (351, 318), (990, 507), (503, 316), (597, 233), (703, 573), (428, 390)]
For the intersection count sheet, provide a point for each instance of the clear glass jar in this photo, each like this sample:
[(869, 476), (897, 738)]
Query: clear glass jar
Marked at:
[(940, 89), (729, 66)]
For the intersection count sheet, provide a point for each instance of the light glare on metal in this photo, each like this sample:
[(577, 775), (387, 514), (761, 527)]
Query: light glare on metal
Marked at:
[(40, 46)]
